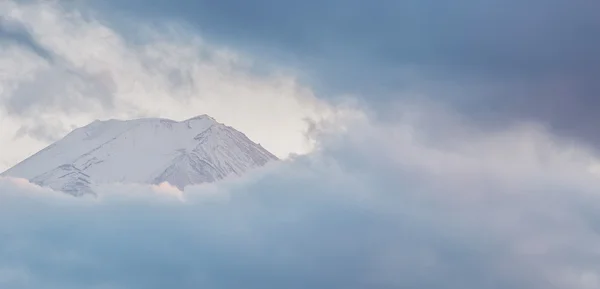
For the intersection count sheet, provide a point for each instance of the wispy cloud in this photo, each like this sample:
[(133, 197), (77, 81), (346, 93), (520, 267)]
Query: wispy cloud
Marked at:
[(168, 71), (17, 33)]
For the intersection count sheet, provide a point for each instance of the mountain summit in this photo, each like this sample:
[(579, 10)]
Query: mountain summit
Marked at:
[(147, 151)]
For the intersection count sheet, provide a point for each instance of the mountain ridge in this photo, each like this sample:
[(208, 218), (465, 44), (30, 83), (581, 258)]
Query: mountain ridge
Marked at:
[(145, 150)]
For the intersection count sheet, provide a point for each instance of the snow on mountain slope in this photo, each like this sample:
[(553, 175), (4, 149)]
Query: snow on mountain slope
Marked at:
[(66, 178), (149, 151)]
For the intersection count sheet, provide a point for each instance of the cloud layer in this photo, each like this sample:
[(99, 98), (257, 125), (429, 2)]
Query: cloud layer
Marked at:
[(381, 206), (65, 68), (417, 195), (498, 61)]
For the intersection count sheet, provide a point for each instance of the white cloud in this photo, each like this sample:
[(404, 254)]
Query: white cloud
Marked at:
[(425, 202), (95, 72), (382, 206)]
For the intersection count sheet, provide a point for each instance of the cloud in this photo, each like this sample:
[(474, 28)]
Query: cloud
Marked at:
[(96, 72), (498, 61), (381, 206), (415, 196), (15, 32)]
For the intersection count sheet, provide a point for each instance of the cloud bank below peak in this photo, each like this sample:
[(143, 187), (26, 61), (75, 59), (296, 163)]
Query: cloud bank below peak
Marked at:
[(359, 212)]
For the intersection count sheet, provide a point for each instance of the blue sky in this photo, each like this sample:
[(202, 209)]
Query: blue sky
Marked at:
[(426, 144)]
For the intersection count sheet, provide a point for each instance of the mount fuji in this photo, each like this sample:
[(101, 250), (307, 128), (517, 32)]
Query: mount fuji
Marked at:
[(145, 151)]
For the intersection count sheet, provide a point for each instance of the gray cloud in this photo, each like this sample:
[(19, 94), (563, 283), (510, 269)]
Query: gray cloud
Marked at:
[(52, 90), (58, 89), (17, 33), (498, 37), (497, 62), (431, 206), (47, 131), (166, 71), (513, 60), (57, 85)]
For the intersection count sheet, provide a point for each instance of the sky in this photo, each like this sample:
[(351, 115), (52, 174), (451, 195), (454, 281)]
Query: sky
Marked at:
[(425, 144)]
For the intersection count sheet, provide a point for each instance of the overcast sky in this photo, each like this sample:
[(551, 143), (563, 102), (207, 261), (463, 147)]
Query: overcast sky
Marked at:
[(497, 62), (445, 143)]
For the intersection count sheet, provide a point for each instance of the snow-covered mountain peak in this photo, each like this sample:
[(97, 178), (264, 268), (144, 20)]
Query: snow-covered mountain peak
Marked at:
[(147, 150), (201, 117)]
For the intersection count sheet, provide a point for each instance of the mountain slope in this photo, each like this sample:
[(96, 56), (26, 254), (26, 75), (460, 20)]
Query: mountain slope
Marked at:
[(148, 151)]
